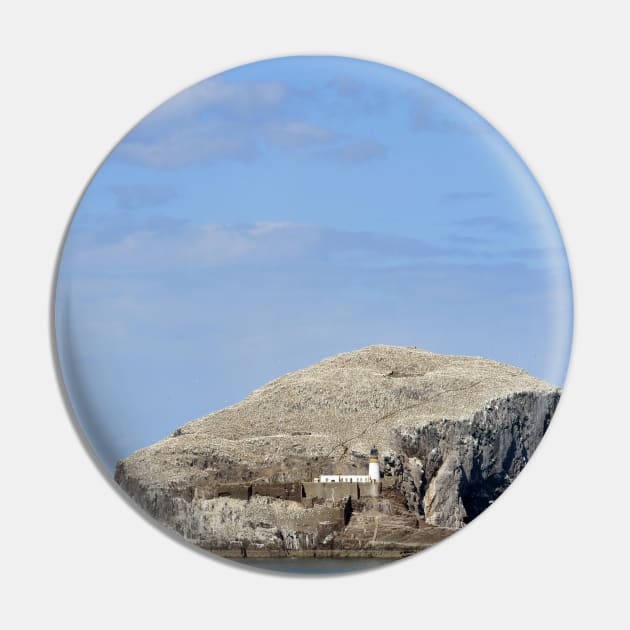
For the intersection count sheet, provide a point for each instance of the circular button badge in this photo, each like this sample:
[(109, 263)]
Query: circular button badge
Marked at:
[(313, 314)]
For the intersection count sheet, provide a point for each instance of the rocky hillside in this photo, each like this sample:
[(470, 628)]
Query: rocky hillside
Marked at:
[(452, 431)]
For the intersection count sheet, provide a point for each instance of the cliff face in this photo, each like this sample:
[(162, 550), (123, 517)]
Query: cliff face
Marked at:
[(452, 433), (452, 470)]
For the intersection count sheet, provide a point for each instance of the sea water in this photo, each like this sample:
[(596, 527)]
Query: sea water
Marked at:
[(313, 566)]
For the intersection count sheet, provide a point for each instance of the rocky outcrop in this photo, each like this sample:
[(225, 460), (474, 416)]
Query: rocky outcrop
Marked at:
[(455, 468), (452, 431)]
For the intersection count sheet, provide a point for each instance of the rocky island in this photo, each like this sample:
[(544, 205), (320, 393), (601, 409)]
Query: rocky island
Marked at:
[(452, 432)]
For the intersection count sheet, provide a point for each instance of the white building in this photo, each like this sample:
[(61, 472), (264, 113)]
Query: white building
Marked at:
[(342, 479), (374, 473)]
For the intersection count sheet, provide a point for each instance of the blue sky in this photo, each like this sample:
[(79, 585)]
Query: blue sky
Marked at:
[(288, 210)]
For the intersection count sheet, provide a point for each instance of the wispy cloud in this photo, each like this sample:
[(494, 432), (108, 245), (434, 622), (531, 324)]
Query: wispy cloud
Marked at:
[(171, 244), (182, 146), (148, 247), (544, 255), (429, 110), (358, 151), (136, 196), (297, 134), (230, 98), (223, 120), (346, 87), (464, 196), (487, 222), (468, 240), (354, 97)]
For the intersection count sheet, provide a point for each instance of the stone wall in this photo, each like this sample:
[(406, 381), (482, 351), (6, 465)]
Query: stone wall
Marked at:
[(306, 492), (288, 491), (336, 491), (330, 491), (232, 490), (369, 489)]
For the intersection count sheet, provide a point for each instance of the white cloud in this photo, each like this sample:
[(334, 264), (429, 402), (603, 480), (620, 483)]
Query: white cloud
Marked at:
[(210, 245), (359, 151), (297, 134), (169, 245), (236, 98), (435, 110), (189, 144)]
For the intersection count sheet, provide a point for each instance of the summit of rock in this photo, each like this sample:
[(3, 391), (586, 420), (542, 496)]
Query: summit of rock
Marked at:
[(330, 413)]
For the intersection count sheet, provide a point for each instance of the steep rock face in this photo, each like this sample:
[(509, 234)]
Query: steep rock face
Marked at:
[(455, 468), (259, 523), (453, 430)]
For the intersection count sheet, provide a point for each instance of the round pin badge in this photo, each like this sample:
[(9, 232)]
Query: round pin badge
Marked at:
[(313, 314)]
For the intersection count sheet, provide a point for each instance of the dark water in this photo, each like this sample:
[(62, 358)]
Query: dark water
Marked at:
[(314, 566)]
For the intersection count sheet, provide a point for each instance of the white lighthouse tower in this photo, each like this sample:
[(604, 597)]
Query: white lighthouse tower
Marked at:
[(374, 469)]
